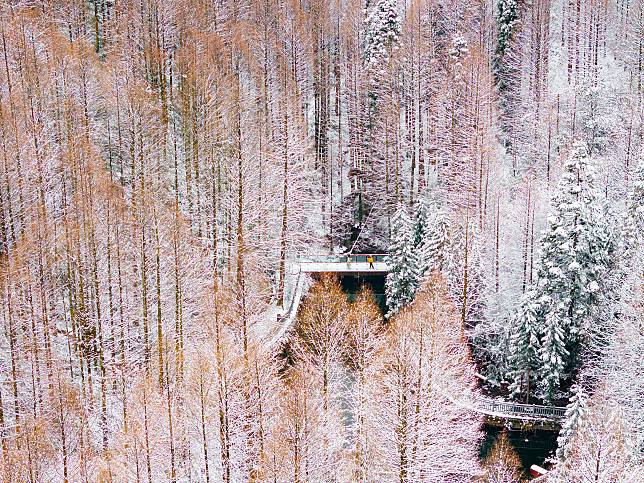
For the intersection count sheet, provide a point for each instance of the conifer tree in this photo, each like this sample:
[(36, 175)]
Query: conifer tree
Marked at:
[(382, 29), (402, 279), (383, 24), (506, 74), (554, 355), (422, 222), (633, 232), (575, 250), (507, 20), (434, 250), (573, 260), (524, 346), (575, 411)]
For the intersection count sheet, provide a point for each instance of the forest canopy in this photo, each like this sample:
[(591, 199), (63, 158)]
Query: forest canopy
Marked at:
[(165, 165)]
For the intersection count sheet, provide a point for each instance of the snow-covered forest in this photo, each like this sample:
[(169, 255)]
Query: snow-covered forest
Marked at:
[(166, 164)]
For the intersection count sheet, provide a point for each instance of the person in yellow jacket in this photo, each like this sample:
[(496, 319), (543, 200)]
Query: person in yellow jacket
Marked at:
[(370, 260)]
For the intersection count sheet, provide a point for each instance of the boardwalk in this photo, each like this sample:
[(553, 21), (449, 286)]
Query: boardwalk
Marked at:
[(354, 265), (528, 412)]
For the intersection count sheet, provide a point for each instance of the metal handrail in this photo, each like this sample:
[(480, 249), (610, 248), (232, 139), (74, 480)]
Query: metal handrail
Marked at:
[(357, 258), (507, 408)]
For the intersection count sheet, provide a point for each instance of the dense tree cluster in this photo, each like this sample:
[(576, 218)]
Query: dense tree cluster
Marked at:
[(575, 251), (164, 163)]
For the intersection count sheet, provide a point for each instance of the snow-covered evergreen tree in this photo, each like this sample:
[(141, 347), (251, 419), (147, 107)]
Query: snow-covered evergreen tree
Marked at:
[(554, 355), (506, 69), (402, 279), (422, 222), (383, 24), (575, 411), (434, 250), (524, 345), (633, 232), (574, 252), (507, 18), (602, 448)]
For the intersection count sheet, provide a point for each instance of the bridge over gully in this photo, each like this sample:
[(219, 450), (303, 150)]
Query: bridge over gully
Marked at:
[(497, 412)]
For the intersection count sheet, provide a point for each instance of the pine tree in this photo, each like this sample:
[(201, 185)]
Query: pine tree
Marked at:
[(524, 345), (575, 411), (402, 279), (602, 448), (434, 250), (507, 19), (508, 22), (382, 29), (554, 355), (633, 232), (383, 24), (573, 260), (575, 250), (422, 223)]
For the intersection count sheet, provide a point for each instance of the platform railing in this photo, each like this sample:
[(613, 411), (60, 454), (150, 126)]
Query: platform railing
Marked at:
[(518, 410), (357, 258)]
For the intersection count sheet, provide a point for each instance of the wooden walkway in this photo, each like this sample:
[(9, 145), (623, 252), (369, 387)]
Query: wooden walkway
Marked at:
[(353, 265)]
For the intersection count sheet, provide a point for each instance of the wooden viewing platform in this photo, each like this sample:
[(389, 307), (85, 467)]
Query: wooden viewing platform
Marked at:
[(343, 265), (524, 416)]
